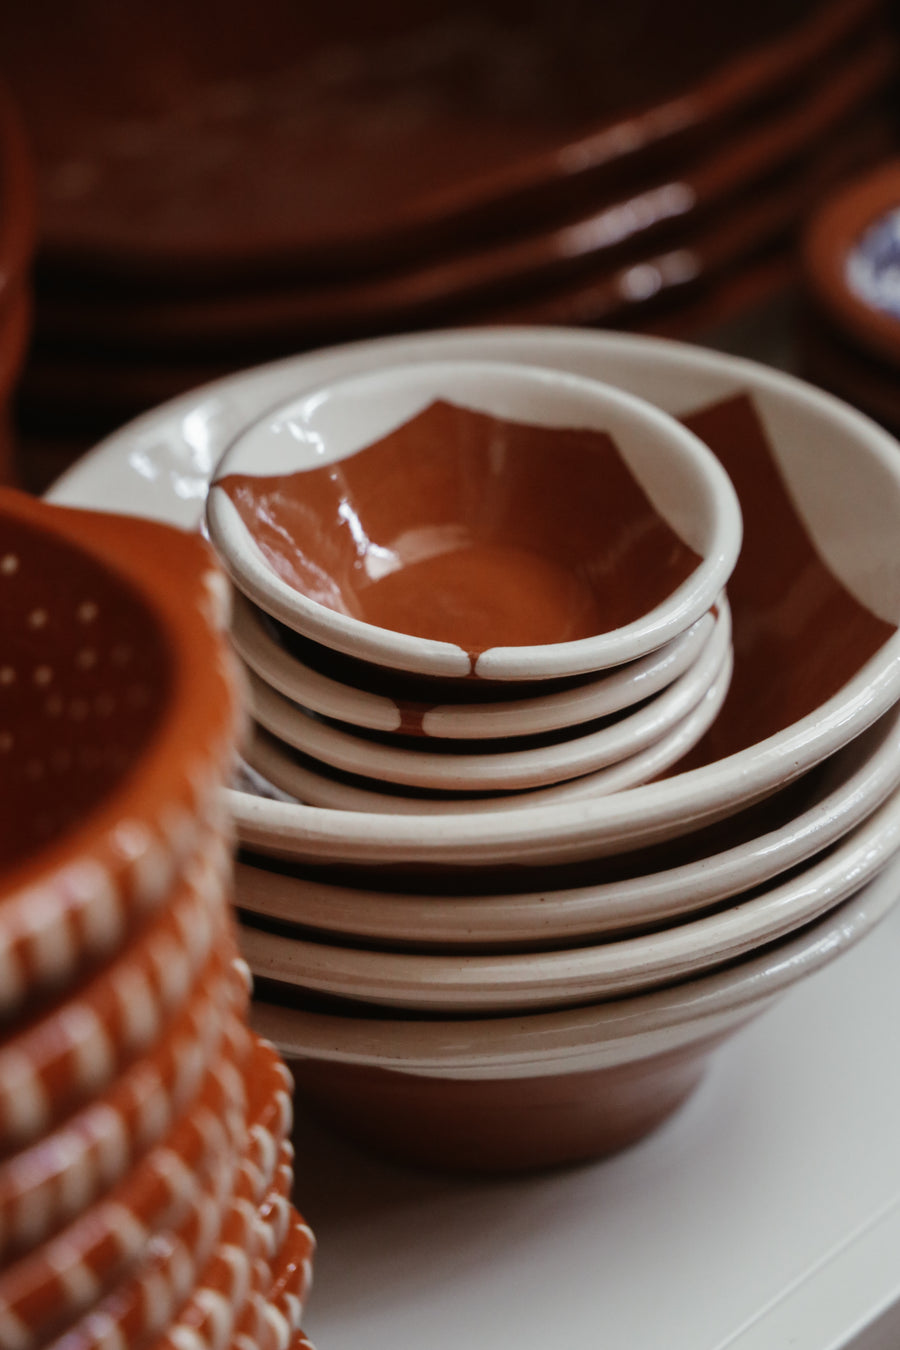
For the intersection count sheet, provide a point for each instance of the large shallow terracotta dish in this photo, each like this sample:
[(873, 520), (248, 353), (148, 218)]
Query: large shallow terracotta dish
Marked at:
[(416, 128), (664, 211), (513, 1092), (398, 518)]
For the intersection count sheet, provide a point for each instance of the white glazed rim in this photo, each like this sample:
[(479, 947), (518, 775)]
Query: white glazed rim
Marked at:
[(502, 769), (168, 454), (593, 1036), (516, 981), (612, 691), (716, 502), (550, 916)]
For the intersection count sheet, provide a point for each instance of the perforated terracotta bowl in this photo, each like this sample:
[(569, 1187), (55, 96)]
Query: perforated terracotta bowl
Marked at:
[(117, 723)]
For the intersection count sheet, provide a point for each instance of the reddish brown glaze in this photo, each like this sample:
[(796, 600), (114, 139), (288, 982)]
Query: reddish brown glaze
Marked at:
[(85, 676), (500, 534), (502, 1124), (798, 633), (162, 661), (434, 290), (404, 120)]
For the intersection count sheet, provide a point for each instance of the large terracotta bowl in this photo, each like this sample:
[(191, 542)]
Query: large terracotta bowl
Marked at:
[(510, 1093)]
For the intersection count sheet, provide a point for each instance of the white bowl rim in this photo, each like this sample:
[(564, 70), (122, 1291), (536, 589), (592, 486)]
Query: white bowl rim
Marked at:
[(525, 767), (611, 692), (592, 1035), (861, 785), (444, 982)]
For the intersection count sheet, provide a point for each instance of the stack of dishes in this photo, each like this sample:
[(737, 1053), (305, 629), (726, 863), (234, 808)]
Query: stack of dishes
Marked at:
[(508, 988), (145, 1159), (210, 199), (17, 239), (851, 335), (439, 551)]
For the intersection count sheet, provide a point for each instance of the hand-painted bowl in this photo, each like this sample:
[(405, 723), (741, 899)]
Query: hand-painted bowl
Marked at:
[(815, 600), (465, 519), (510, 1093)]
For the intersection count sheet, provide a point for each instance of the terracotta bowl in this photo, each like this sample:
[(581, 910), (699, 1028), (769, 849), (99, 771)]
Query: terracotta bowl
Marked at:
[(506, 764), (521, 907), (509, 1093), (367, 697), (399, 518), (117, 723), (815, 600)]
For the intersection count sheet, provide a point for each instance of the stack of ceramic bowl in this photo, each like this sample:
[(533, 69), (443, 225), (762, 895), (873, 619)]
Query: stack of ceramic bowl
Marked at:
[(145, 1160), (211, 197), (17, 238), (851, 334), (491, 986), (473, 588)]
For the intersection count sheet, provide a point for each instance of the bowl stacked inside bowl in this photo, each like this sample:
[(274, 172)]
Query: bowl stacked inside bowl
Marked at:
[(488, 587), (145, 1159), (565, 966)]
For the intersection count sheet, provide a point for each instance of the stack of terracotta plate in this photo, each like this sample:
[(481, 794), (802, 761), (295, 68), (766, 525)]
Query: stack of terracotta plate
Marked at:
[(17, 238), (502, 986), (145, 1161), (851, 333), (211, 197)]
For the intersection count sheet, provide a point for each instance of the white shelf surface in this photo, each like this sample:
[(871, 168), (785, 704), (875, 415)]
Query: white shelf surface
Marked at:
[(765, 1214)]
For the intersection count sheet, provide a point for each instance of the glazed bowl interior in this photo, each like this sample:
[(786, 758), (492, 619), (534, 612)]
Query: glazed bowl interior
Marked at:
[(117, 701), (86, 675), (401, 518)]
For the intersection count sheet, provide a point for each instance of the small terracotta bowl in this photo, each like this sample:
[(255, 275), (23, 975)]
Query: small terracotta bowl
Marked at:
[(118, 717), (511, 1093), (403, 517)]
